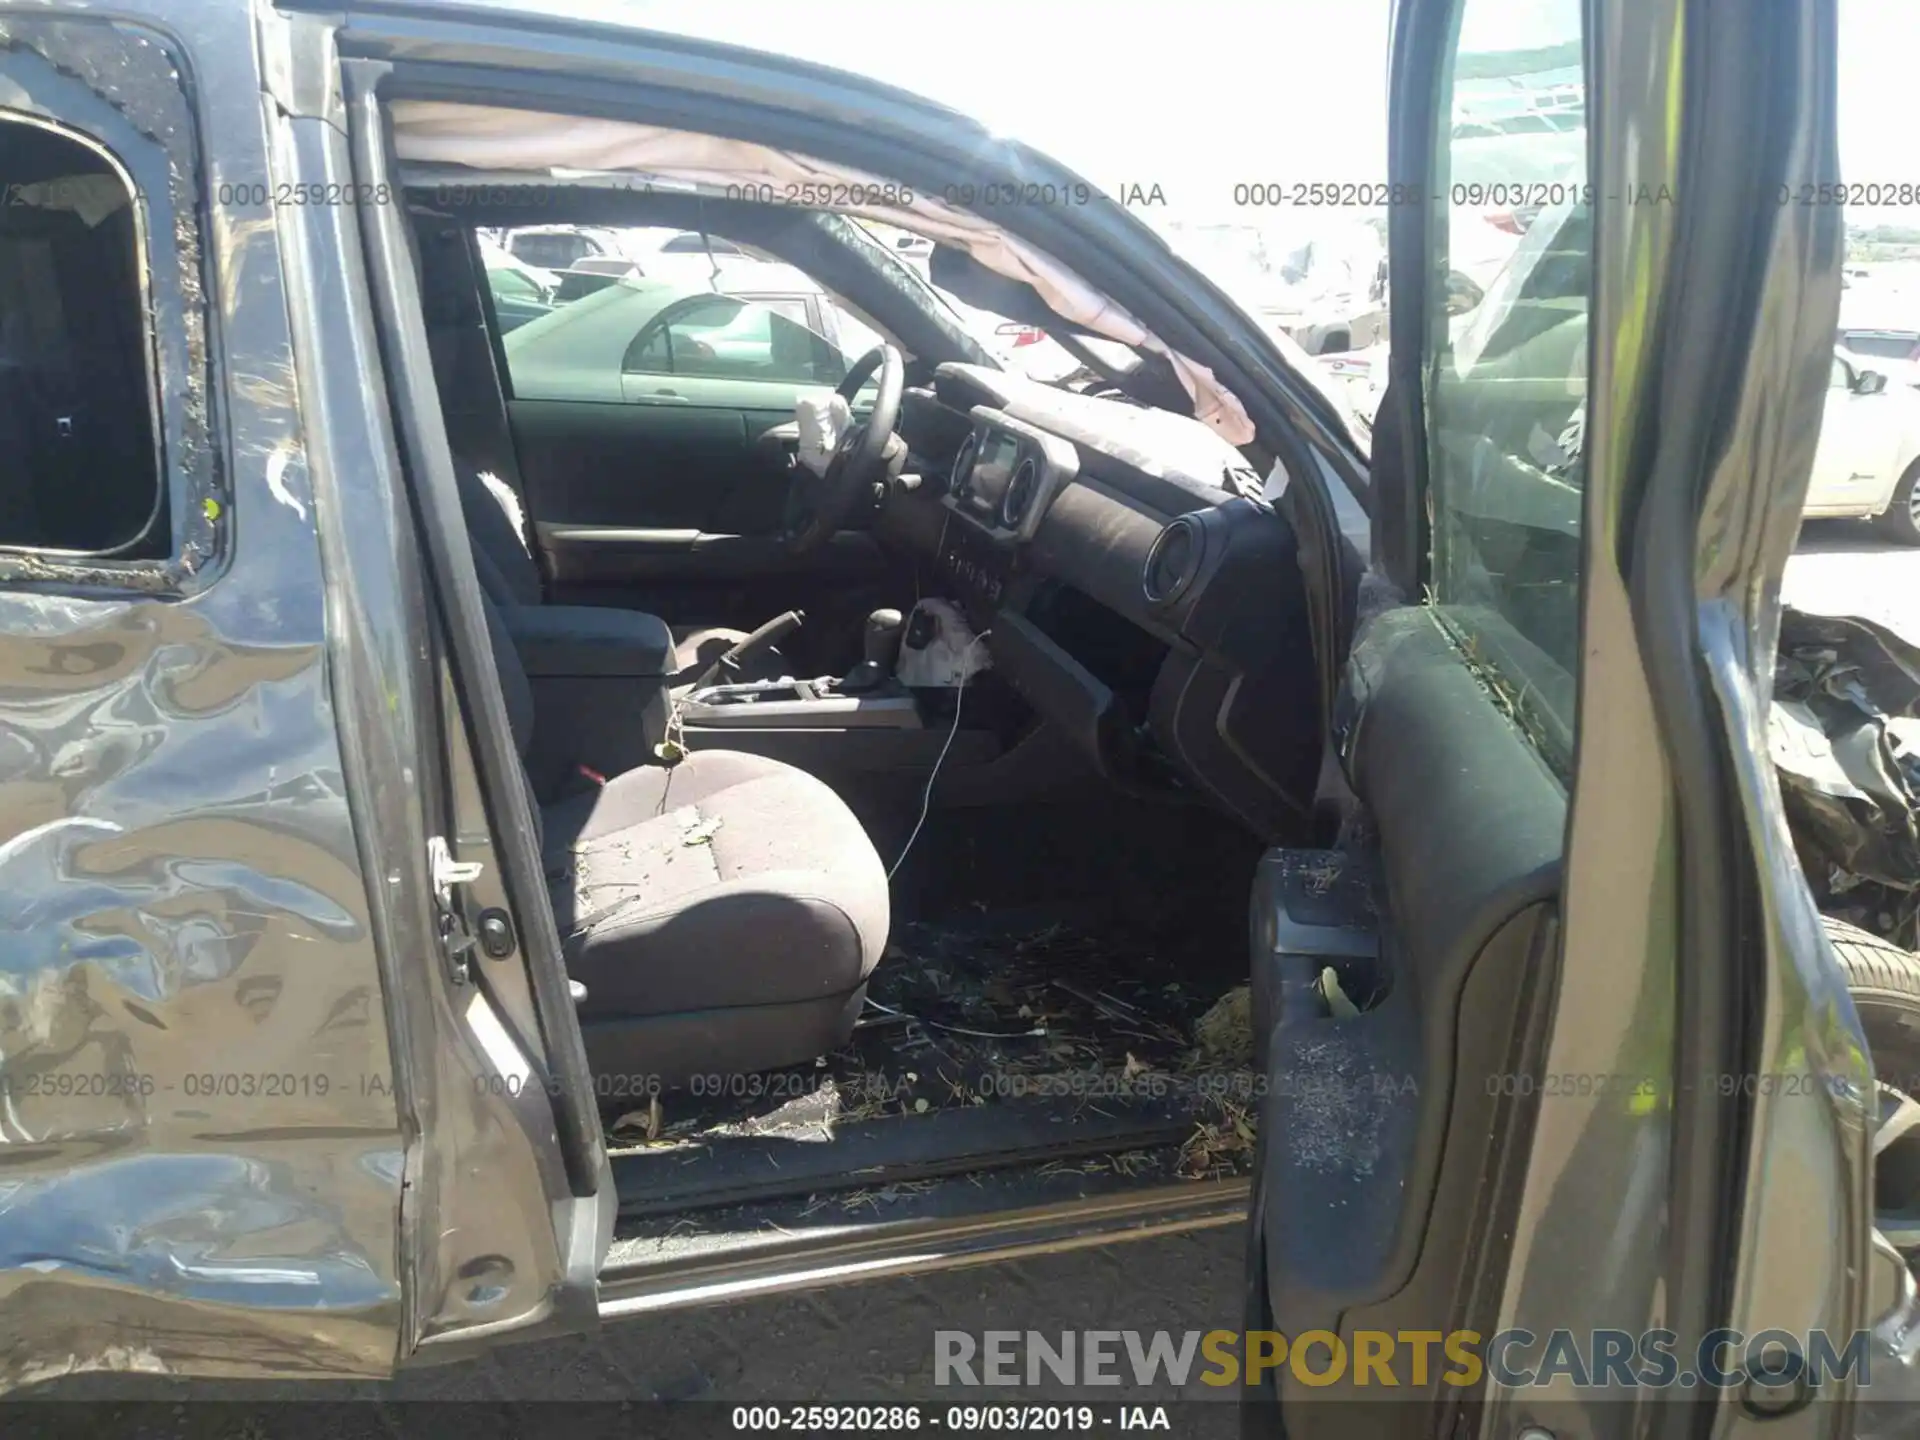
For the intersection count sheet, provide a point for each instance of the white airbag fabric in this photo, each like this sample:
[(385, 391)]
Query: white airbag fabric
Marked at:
[(490, 138), (822, 423), (952, 657)]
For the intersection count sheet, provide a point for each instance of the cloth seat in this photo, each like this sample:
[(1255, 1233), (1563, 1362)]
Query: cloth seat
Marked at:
[(722, 914)]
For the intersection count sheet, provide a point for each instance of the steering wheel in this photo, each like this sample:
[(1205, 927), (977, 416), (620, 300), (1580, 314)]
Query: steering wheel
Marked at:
[(817, 504)]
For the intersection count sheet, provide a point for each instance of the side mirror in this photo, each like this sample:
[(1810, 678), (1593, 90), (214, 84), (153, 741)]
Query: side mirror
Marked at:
[(1462, 294), (1869, 382)]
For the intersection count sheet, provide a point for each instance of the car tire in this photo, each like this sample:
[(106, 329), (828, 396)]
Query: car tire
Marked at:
[(1884, 980), (1901, 520)]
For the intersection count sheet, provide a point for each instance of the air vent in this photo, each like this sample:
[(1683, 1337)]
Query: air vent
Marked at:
[(1172, 562), (963, 465), (1019, 497)]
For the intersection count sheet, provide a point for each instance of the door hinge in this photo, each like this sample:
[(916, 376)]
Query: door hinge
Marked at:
[(449, 877)]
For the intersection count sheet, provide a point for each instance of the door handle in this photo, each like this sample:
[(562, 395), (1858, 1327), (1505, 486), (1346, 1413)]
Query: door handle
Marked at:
[(671, 396)]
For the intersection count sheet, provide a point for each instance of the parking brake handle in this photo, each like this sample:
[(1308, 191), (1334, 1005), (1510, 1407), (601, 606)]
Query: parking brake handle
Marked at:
[(728, 665)]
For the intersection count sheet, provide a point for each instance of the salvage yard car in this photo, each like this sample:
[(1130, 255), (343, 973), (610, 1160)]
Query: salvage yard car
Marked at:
[(1868, 463), (487, 854), (520, 291)]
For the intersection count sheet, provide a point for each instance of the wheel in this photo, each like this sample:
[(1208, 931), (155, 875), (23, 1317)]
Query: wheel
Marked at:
[(1901, 520), (1884, 981)]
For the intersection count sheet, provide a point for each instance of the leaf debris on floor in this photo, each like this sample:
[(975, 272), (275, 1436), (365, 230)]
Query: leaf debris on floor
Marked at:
[(973, 1014)]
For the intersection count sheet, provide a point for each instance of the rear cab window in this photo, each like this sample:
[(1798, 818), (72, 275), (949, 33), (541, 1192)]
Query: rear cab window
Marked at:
[(108, 481), (76, 412)]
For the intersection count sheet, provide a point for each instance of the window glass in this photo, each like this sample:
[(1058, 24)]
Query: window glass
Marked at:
[(78, 470), (1886, 347), (512, 282), (1506, 353), (691, 243), (727, 338), (792, 307), (555, 251), (1841, 377), (856, 336)]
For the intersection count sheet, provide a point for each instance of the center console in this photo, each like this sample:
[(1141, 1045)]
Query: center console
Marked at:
[(837, 727), (799, 704)]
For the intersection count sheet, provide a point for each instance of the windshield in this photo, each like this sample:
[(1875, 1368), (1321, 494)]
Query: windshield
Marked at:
[(1024, 349)]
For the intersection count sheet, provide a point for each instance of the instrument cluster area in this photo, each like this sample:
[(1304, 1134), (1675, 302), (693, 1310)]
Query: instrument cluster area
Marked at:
[(1006, 474), (1151, 615)]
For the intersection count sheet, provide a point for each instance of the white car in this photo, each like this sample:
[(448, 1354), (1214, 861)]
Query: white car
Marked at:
[(1894, 352), (661, 253), (1867, 466), (1362, 375)]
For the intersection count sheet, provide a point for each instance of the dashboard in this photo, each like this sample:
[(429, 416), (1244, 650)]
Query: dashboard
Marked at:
[(1139, 597)]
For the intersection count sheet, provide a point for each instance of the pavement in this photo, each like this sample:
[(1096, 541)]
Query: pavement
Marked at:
[(1843, 568)]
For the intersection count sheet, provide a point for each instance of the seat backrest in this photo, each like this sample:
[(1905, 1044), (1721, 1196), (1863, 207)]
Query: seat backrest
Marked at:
[(517, 691), (514, 685)]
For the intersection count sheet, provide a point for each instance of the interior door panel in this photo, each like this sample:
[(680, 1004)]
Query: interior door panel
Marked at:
[(661, 465), (1379, 1129), (675, 508)]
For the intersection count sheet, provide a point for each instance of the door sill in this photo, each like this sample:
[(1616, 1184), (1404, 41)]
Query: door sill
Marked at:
[(978, 1230)]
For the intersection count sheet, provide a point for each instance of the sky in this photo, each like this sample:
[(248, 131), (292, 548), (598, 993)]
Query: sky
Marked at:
[(1200, 95)]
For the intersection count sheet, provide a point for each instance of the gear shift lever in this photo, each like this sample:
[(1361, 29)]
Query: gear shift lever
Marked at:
[(880, 644)]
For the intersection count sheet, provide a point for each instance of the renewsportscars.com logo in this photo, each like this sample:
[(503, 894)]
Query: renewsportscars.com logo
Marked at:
[(1413, 1359)]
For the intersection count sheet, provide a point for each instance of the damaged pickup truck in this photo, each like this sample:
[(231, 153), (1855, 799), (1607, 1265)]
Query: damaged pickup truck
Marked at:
[(505, 829)]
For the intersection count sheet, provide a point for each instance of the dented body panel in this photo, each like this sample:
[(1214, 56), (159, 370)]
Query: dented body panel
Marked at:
[(201, 1155)]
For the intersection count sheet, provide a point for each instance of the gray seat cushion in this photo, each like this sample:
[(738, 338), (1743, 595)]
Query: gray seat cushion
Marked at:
[(729, 880)]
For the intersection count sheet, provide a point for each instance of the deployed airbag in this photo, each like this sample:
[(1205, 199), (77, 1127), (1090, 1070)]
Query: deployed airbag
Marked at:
[(573, 147)]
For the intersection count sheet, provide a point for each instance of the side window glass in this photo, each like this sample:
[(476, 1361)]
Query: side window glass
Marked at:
[(1841, 377), (1506, 351), (512, 282), (692, 243), (79, 469), (550, 252), (651, 353), (723, 338)]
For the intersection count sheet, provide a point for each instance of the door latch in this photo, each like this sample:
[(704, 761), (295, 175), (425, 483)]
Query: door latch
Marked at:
[(450, 908)]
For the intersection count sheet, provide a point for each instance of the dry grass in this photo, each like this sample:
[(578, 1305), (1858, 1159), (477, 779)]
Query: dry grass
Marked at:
[(854, 1201), (1224, 1035), (1218, 1147), (963, 1020)]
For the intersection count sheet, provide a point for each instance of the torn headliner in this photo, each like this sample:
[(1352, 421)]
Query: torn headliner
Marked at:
[(563, 148)]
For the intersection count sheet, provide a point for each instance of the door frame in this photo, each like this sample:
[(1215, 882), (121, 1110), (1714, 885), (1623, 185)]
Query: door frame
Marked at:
[(1680, 878)]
